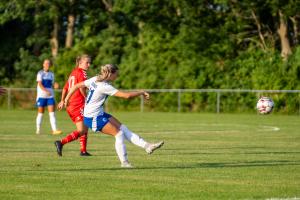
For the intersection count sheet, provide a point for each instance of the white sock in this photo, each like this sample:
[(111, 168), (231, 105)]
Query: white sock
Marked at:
[(52, 121), (39, 119), (121, 147), (133, 138)]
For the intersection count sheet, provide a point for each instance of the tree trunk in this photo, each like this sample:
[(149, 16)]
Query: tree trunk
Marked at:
[(261, 37), (54, 38), (70, 30), (108, 5), (295, 29), (282, 32)]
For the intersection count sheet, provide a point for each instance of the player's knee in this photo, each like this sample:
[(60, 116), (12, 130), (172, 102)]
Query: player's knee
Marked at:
[(82, 132), (119, 133)]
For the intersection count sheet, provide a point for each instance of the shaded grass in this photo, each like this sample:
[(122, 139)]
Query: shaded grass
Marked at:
[(206, 156)]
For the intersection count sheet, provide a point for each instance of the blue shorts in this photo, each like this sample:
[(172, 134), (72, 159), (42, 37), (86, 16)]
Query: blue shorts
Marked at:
[(43, 102), (97, 123)]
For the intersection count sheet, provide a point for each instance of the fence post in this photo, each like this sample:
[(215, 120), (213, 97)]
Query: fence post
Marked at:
[(8, 98), (142, 103), (179, 101), (218, 101)]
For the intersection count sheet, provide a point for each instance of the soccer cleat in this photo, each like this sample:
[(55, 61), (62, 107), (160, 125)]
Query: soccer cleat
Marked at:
[(59, 147), (85, 154), (38, 132), (126, 164), (153, 147), (57, 132)]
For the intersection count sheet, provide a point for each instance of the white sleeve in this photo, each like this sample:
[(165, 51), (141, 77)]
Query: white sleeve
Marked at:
[(53, 78), (88, 82), (39, 76), (109, 90)]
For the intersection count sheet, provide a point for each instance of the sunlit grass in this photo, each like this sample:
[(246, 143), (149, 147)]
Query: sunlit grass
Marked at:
[(205, 156)]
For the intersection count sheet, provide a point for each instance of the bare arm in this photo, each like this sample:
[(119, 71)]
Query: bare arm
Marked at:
[(83, 92), (62, 99), (43, 88), (128, 95), (72, 90)]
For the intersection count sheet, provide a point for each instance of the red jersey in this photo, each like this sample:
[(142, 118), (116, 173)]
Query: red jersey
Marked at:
[(77, 99)]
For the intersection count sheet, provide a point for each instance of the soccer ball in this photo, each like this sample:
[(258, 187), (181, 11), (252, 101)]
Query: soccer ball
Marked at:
[(265, 105)]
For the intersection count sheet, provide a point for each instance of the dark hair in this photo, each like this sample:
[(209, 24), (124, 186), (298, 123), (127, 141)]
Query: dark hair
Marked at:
[(47, 59)]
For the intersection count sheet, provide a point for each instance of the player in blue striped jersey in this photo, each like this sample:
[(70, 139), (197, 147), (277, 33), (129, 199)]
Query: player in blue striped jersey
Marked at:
[(45, 97)]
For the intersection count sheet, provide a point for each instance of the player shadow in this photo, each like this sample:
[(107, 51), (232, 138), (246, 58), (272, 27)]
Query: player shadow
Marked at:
[(212, 148), (202, 152), (204, 165), (256, 163)]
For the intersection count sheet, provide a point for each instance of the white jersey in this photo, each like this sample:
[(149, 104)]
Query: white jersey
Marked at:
[(47, 79), (98, 93)]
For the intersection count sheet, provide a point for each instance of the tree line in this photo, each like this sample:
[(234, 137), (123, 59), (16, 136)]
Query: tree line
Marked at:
[(161, 44)]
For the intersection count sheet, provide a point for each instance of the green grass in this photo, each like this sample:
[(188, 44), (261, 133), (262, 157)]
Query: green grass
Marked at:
[(205, 156)]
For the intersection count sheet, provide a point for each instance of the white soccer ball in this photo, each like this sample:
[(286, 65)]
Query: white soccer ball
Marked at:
[(265, 105)]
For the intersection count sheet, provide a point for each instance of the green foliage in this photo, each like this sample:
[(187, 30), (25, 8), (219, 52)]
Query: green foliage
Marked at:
[(158, 44), (27, 68)]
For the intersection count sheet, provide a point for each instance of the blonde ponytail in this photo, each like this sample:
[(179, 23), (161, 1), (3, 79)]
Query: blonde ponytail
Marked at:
[(106, 71)]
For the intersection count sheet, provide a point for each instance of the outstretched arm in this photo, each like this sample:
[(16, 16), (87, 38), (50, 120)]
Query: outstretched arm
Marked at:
[(128, 95), (72, 90)]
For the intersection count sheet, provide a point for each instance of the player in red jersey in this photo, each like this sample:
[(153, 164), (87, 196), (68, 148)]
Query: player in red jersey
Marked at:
[(75, 107), (2, 90)]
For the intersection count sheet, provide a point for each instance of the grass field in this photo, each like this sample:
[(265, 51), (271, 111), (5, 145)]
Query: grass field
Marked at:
[(206, 156)]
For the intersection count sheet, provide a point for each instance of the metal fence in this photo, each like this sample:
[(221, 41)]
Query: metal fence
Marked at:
[(218, 93)]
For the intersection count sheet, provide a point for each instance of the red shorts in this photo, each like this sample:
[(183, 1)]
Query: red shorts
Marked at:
[(76, 113)]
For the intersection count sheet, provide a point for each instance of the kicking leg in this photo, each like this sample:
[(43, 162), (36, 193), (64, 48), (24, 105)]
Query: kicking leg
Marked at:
[(137, 140)]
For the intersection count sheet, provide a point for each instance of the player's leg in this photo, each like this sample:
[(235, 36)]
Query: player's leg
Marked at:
[(120, 146), (130, 136), (83, 130), (39, 119), (69, 138), (51, 111), (134, 138), (76, 116)]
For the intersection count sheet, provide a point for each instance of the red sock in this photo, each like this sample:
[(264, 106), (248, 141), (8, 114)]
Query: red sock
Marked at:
[(83, 142), (71, 137)]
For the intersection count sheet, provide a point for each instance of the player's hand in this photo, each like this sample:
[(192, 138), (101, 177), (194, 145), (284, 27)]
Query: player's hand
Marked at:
[(48, 93), (60, 105), (66, 102), (146, 95), (56, 85)]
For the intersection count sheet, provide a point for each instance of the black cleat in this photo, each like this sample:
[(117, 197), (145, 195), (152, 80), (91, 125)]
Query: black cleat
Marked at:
[(59, 147), (85, 154)]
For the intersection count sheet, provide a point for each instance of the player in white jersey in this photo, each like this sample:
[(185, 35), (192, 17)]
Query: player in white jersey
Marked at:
[(98, 120), (45, 97)]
